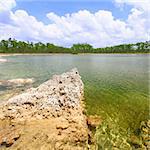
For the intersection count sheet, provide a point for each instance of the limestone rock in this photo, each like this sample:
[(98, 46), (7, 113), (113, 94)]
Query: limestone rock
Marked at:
[(94, 121), (63, 92), (50, 115), (8, 136)]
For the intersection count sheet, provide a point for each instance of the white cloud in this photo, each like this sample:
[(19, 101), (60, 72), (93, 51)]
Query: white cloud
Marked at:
[(139, 18), (6, 5), (99, 28), (140, 4)]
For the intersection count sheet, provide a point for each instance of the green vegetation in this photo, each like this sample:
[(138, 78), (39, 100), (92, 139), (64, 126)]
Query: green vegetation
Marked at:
[(14, 46)]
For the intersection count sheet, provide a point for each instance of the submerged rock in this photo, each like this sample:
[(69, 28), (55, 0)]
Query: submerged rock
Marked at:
[(51, 115), (94, 121), (16, 82), (3, 60), (145, 133), (21, 81)]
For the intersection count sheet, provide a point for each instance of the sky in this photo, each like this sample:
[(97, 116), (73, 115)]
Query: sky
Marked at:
[(100, 23)]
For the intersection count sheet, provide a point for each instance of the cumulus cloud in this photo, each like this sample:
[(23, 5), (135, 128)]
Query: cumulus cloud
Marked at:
[(140, 4), (6, 5), (139, 18), (99, 29)]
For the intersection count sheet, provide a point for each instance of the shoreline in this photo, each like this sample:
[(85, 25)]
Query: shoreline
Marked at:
[(44, 54)]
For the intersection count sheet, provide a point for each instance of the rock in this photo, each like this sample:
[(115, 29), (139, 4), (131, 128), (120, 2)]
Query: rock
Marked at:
[(21, 81), (148, 123), (8, 137), (94, 121), (62, 126), (135, 141), (16, 82), (145, 133), (108, 136), (47, 115), (47, 100), (3, 60)]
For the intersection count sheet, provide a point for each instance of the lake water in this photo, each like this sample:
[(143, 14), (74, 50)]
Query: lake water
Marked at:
[(116, 85)]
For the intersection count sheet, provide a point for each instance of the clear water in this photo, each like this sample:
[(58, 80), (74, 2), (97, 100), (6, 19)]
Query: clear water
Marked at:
[(116, 85)]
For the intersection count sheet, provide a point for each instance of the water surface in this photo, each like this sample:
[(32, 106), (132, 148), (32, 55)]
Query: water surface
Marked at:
[(116, 85)]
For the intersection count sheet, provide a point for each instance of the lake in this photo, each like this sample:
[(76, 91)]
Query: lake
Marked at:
[(116, 85)]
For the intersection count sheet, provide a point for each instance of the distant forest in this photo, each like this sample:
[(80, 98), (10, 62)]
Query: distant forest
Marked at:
[(14, 46)]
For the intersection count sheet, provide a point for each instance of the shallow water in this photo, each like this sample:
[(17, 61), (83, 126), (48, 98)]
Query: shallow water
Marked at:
[(116, 85)]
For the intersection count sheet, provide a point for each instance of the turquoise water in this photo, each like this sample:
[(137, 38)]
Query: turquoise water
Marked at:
[(116, 85)]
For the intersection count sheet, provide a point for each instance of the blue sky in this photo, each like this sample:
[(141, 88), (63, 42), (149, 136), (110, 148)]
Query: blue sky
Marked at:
[(65, 22), (40, 8)]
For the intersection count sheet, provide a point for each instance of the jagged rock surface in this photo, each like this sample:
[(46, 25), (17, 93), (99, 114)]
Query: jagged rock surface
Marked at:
[(50, 98), (51, 115)]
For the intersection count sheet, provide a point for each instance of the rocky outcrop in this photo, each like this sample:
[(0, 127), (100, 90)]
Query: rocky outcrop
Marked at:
[(62, 94), (51, 114)]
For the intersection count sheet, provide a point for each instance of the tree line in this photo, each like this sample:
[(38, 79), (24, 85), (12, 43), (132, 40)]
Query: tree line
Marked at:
[(14, 46)]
